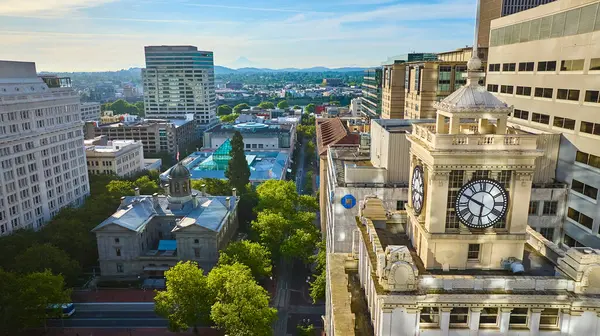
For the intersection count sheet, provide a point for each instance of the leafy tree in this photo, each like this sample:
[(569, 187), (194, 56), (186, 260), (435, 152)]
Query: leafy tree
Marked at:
[(242, 306), (213, 186), (223, 110), (39, 258), (308, 203), (120, 188), (238, 172), (24, 299), (300, 244), (13, 245), (271, 229), (308, 330), (296, 107), (187, 300), (240, 107), (310, 108), (283, 104), (267, 105), (229, 118), (119, 106), (317, 287), (146, 185), (251, 254), (140, 108), (277, 196)]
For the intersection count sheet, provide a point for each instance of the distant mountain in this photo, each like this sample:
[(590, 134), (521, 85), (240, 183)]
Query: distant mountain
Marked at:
[(221, 70)]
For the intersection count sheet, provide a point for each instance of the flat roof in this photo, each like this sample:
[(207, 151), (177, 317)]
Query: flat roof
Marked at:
[(399, 125)]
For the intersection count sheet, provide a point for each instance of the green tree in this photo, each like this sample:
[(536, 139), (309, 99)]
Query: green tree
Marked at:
[(223, 110), (120, 188), (267, 105), (317, 287), (310, 108), (277, 196), (39, 258), (240, 107), (146, 185), (11, 246), (238, 172), (296, 107), (242, 306), (24, 299), (271, 229), (251, 254), (119, 106), (187, 300), (229, 118), (140, 108), (308, 330), (217, 187), (300, 244), (283, 104)]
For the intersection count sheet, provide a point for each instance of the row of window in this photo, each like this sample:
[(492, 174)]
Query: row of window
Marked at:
[(566, 123), (591, 96), (549, 208), (488, 317), (580, 218)]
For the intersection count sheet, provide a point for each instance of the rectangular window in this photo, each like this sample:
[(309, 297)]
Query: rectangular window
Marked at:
[(595, 64), (547, 66), (521, 114), (524, 90), (548, 233), (506, 89), (473, 254), (533, 207), (459, 317), (584, 189), (492, 87), (494, 67), (444, 77), (488, 317), (580, 218), (119, 268), (549, 318), (564, 123), (118, 252), (508, 67), (540, 118), (571, 65), (429, 317), (544, 92), (567, 94), (197, 252), (591, 96), (117, 240), (400, 205), (519, 317), (526, 66), (571, 242), (550, 207), (590, 128), (588, 159)]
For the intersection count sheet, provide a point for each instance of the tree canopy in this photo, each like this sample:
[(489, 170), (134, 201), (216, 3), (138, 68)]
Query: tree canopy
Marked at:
[(266, 105), (121, 106), (240, 107), (223, 110), (39, 258), (229, 118), (251, 254), (283, 104), (213, 186), (310, 108), (187, 300), (241, 306), (238, 172)]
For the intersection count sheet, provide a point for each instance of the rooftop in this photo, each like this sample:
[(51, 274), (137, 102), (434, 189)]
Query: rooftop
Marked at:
[(111, 146), (333, 131), (400, 125), (136, 212), (145, 122), (251, 127)]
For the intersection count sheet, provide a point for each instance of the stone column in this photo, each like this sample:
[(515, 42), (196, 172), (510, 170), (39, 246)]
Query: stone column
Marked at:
[(482, 126), (534, 321), (454, 125), (597, 323), (445, 321), (501, 125), (440, 124), (565, 320), (504, 320), (474, 321), (411, 323), (385, 322)]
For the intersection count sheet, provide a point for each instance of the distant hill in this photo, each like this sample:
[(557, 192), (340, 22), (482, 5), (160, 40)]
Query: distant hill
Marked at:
[(225, 70)]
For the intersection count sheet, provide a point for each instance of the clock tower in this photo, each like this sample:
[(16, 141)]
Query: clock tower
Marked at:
[(471, 182)]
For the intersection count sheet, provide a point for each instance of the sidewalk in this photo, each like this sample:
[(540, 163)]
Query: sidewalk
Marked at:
[(114, 295)]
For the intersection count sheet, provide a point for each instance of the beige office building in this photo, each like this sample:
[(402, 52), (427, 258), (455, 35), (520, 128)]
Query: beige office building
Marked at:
[(119, 157), (392, 91), (546, 62)]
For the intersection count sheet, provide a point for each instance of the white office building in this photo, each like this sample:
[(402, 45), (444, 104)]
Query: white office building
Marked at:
[(179, 80), (41, 147), (119, 157), (90, 111)]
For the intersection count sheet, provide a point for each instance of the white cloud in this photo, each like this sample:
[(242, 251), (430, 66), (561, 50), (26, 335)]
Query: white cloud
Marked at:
[(37, 6), (260, 9)]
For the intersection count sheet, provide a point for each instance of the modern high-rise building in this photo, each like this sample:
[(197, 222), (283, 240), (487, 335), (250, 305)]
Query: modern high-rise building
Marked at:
[(179, 80), (493, 9), (41, 147), (546, 62), (371, 93), (90, 111)]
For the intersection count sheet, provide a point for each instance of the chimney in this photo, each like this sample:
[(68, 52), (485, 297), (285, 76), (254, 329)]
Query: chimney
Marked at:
[(166, 187), (195, 200), (137, 191), (234, 192), (122, 201), (155, 199), (203, 190), (228, 202)]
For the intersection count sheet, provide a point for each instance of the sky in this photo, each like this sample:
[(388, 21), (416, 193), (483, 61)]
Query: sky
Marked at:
[(102, 35)]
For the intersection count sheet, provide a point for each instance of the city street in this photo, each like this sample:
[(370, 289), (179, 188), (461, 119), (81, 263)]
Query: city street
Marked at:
[(111, 315), (300, 169)]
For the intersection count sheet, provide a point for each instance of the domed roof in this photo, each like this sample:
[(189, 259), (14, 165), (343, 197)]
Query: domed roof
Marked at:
[(179, 171)]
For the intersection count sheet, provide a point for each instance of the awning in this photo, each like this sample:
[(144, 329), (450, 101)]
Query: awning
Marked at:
[(167, 245)]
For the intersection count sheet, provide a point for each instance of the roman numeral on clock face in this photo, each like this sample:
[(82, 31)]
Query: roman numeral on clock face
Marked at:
[(496, 212)]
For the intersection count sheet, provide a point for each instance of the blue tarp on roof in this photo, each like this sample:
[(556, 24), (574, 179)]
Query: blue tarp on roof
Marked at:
[(167, 245)]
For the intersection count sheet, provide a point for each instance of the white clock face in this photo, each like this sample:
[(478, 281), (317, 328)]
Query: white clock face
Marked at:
[(481, 203), (417, 189)]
